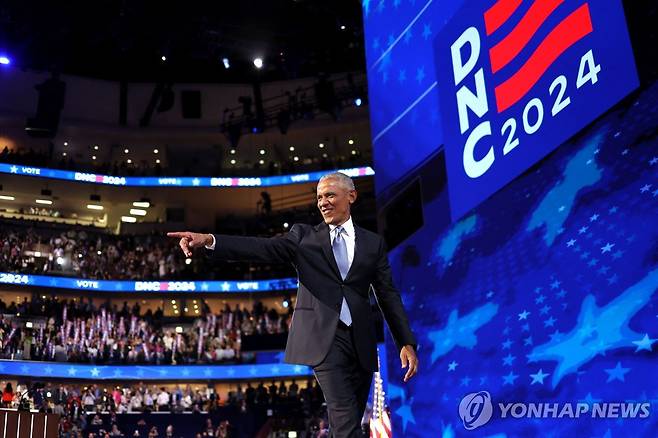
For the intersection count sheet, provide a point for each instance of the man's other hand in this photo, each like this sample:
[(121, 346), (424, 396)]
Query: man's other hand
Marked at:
[(189, 240), (408, 357)]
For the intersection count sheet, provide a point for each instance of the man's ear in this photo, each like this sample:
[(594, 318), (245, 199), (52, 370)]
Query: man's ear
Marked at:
[(352, 196)]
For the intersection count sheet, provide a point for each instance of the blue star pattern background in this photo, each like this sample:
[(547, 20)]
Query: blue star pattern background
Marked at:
[(399, 38), (546, 292)]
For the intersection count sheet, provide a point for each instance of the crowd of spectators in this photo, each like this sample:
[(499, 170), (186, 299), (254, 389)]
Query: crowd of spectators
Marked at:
[(85, 253), (94, 411), (80, 331)]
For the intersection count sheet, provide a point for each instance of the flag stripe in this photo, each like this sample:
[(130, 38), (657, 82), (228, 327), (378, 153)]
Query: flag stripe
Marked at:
[(510, 46), (568, 32), (498, 14)]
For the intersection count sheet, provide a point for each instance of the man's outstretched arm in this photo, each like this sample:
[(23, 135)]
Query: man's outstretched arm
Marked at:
[(279, 249)]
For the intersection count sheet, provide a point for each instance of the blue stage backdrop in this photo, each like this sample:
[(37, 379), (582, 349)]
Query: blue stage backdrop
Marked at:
[(547, 292)]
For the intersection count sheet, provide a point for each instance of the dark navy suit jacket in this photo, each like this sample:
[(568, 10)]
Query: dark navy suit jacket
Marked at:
[(321, 289)]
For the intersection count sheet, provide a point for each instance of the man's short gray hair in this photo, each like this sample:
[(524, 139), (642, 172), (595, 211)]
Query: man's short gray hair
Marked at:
[(345, 180)]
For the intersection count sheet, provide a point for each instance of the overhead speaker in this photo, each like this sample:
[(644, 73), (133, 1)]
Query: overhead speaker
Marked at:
[(191, 104)]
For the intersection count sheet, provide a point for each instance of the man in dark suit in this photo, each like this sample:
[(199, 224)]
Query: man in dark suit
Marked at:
[(332, 329)]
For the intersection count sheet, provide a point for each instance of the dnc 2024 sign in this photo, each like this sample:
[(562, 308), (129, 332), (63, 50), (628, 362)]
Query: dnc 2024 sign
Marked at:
[(518, 78)]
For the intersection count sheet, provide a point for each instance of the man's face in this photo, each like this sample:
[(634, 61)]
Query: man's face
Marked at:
[(334, 200)]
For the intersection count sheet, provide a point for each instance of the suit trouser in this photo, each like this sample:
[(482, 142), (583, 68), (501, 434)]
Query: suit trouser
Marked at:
[(345, 384)]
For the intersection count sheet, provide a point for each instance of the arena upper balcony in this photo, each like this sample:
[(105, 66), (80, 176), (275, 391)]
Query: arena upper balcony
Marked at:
[(122, 133)]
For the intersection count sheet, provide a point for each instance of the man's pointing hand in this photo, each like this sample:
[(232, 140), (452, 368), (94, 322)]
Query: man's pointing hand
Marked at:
[(189, 240)]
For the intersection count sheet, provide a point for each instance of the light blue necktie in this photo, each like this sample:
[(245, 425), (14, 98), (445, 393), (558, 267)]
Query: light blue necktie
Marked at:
[(340, 254)]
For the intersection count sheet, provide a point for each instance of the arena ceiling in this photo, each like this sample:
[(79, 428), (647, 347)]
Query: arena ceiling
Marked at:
[(126, 40)]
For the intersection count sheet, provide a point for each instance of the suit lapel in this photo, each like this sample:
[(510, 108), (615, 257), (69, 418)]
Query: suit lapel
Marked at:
[(322, 231), (358, 251)]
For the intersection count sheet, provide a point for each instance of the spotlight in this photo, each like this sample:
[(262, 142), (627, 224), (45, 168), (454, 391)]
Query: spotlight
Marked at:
[(285, 225), (358, 101), (142, 203), (155, 151), (226, 63), (129, 219), (342, 27), (350, 141), (262, 152), (232, 161), (4, 60), (95, 147), (125, 151), (137, 212), (164, 58), (258, 62), (285, 303)]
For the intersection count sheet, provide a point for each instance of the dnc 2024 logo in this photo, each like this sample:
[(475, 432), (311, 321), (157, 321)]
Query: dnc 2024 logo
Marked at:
[(518, 78)]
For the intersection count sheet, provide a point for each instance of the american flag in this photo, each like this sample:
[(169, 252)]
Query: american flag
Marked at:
[(380, 423)]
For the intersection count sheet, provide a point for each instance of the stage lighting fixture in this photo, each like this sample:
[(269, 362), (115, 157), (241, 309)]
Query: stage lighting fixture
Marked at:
[(43, 201), (285, 304), (258, 62), (137, 212), (5, 60), (226, 63), (28, 324), (142, 203), (95, 207), (358, 101), (164, 58), (129, 219), (6, 198)]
